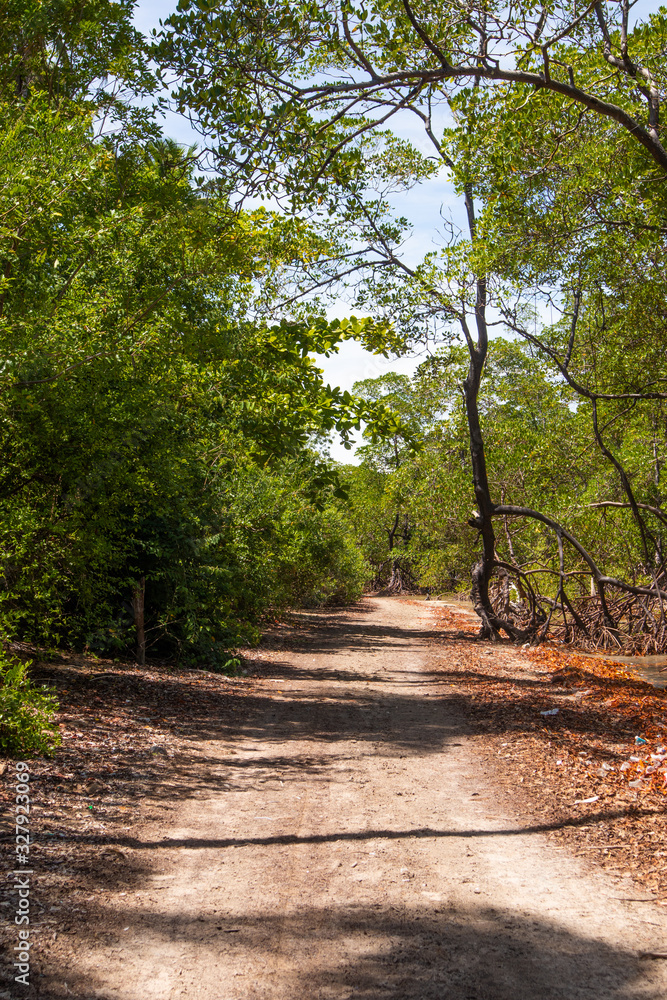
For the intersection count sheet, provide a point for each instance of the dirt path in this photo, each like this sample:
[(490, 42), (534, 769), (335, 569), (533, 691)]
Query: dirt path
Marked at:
[(347, 844)]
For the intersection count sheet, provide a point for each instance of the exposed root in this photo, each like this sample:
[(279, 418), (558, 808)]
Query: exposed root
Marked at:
[(630, 624)]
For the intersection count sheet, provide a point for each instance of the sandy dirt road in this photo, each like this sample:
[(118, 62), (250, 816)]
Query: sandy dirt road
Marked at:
[(349, 844)]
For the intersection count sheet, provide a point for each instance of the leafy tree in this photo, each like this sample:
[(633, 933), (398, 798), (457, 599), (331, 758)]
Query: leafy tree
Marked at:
[(291, 97), (72, 51), (138, 398), (380, 504)]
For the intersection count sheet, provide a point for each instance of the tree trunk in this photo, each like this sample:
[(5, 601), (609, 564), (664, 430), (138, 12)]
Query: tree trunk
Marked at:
[(504, 581), (138, 597), (395, 585), (481, 571)]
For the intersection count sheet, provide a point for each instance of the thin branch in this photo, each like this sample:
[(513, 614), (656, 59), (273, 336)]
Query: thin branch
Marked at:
[(600, 578), (61, 374), (642, 506), (426, 39), (573, 325)]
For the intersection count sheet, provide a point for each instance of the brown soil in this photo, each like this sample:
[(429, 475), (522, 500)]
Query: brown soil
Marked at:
[(607, 743), (346, 823)]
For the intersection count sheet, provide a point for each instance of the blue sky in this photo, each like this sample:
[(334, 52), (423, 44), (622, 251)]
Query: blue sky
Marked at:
[(422, 206)]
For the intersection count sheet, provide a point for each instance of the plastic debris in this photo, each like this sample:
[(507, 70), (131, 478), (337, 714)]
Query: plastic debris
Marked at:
[(635, 784), (640, 741), (550, 711), (583, 802)]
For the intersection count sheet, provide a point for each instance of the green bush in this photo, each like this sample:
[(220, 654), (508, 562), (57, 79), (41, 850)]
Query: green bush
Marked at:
[(26, 712)]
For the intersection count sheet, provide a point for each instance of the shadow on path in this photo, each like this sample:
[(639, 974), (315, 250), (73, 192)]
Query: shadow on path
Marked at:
[(425, 952)]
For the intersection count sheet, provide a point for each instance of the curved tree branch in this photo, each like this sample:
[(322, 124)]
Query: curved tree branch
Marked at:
[(596, 573)]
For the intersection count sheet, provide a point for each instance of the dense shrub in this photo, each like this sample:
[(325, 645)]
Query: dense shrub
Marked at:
[(27, 726)]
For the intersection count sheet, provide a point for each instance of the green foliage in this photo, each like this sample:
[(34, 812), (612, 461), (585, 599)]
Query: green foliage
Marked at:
[(153, 426), (553, 142), (539, 455), (160, 405), (68, 50), (27, 727)]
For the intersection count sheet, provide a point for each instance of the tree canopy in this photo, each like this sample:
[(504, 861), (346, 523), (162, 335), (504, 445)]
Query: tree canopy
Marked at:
[(546, 117), (162, 415), (161, 474)]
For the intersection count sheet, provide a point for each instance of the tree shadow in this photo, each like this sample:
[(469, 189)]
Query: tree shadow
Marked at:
[(370, 951), (398, 723), (333, 635), (361, 836)]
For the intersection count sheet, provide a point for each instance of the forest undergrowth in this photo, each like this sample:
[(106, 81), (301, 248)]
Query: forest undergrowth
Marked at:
[(593, 773)]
